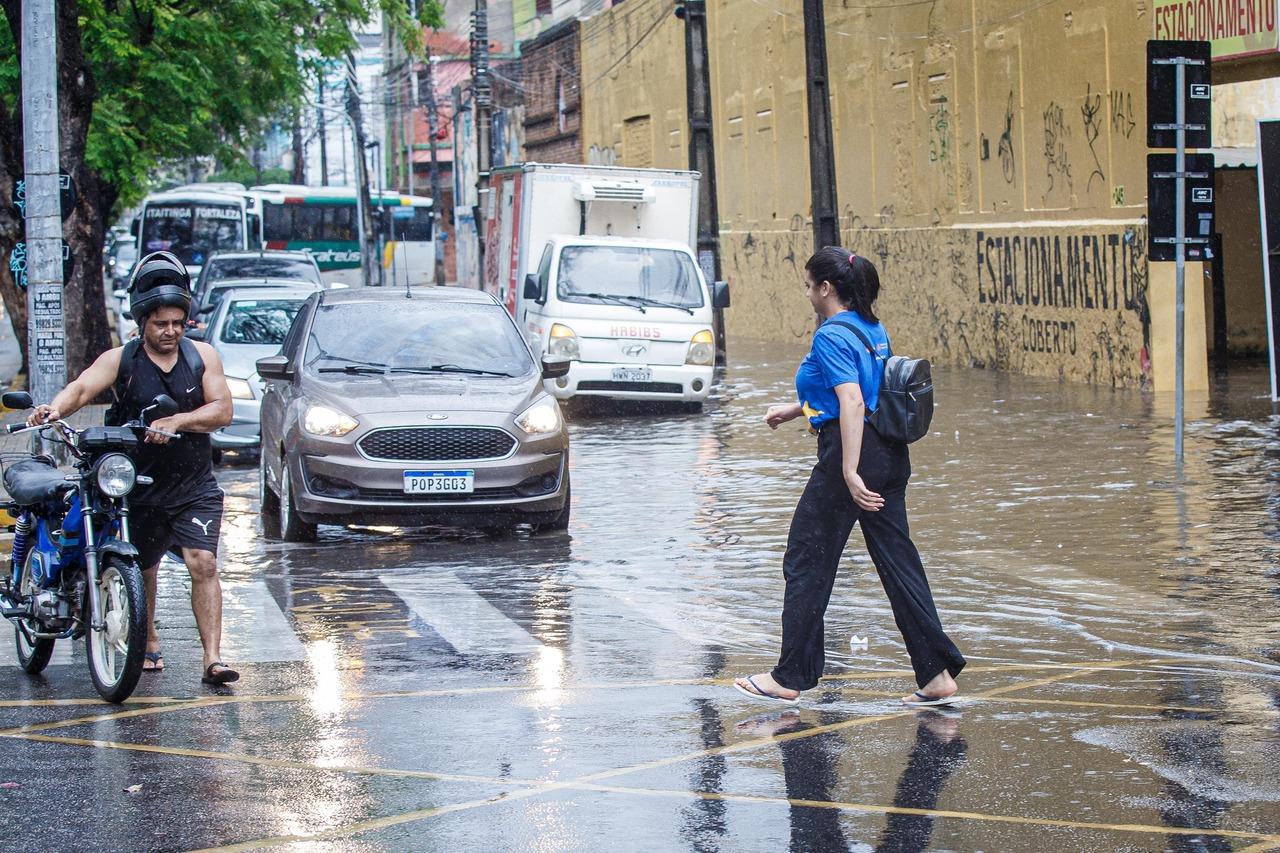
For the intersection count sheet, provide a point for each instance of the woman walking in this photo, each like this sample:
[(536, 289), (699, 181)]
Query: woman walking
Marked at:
[(860, 478)]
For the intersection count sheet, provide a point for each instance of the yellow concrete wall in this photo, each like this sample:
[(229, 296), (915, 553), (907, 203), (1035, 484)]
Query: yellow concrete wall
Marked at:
[(990, 158)]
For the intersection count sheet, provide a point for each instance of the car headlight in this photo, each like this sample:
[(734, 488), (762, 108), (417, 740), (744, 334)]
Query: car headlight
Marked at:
[(240, 389), (322, 420), (702, 349), (564, 342), (116, 475), (541, 418)]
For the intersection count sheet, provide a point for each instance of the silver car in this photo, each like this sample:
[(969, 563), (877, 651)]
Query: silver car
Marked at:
[(387, 408), (248, 324)]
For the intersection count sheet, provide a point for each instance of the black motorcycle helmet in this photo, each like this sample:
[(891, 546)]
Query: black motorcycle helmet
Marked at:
[(159, 281)]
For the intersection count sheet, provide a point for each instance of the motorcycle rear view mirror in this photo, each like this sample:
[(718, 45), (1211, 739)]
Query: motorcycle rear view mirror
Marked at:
[(16, 400), (161, 407)]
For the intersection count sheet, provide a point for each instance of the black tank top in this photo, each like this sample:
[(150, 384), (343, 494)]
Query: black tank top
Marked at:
[(182, 469)]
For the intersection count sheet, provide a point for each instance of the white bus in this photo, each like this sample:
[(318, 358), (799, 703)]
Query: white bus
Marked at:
[(323, 221), (196, 220)]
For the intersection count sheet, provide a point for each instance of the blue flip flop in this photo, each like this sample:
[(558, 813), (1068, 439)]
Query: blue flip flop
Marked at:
[(762, 696), (929, 701)]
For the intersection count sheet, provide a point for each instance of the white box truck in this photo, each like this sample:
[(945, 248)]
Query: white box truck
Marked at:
[(597, 263)]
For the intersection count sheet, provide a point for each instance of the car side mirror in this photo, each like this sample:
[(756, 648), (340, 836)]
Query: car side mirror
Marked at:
[(127, 314), (135, 226), (195, 334), (120, 294), (275, 367), (16, 400), (532, 290), (720, 294), (206, 310), (555, 366)]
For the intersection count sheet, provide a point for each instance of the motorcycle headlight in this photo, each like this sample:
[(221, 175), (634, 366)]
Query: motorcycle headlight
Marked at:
[(563, 342), (540, 418), (240, 389), (322, 420), (116, 475), (702, 349)]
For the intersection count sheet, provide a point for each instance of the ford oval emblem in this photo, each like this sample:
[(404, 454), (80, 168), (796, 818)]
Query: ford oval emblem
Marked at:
[(635, 350), (437, 417)]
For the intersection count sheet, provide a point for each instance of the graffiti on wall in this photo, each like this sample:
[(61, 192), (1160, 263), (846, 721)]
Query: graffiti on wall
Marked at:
[(1008, 166), (1091, 113), (1057, 161)]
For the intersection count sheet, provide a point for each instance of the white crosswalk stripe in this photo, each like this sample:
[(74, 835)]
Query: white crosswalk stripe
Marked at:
[(460, 615)]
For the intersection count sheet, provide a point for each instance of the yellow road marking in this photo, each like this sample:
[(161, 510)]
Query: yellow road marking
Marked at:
[(1260, 848), (60, 703), (277, 762), (1269, 840)]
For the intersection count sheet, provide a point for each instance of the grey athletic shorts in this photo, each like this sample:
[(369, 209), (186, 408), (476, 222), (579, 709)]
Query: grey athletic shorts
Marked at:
[(195, 524)]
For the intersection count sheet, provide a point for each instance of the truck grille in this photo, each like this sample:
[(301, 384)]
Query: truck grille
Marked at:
[(436, 444), (643, 387)]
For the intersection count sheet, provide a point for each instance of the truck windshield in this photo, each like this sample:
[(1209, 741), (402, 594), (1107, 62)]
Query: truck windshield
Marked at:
[(628, 272)]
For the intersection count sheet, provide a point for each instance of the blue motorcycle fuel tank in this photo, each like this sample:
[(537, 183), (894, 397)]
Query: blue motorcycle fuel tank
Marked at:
[(56, 549)]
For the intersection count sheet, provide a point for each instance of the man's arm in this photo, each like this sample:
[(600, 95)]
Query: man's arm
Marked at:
[(99, 376), (216, 411)]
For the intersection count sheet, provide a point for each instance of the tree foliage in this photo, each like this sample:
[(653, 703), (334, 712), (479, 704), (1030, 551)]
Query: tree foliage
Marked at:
[(147, 81)]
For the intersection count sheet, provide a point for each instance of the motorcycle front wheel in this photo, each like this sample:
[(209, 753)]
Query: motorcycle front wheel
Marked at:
[(116, 649), (33, 654)]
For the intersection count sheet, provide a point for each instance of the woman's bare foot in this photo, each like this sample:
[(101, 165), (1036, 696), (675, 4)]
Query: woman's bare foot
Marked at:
[(763, 686), (941, 686)]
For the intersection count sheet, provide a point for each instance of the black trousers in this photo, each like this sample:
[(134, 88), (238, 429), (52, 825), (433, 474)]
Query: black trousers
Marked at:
[(820, 528)]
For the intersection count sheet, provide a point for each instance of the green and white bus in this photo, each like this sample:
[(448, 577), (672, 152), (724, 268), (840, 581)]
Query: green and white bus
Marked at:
[(323, 221)]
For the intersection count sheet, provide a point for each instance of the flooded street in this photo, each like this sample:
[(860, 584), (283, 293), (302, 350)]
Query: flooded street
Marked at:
[(446, 690)]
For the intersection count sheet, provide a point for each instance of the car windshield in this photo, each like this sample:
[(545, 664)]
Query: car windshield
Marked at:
[(259, 321), (262, 267), (417, 335), (630, 273), (192, 231)]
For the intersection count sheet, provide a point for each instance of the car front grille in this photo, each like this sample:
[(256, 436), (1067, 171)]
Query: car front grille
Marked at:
[(436, 444), (643, 387)]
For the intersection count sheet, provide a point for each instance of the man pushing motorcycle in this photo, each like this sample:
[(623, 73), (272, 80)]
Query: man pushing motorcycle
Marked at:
[(182, 507)]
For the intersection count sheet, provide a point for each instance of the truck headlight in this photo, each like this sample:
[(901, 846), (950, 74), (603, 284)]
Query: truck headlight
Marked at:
[(322, 420), (541, 418), (564, 342), (116, 475), (702, 349), (240, 389)]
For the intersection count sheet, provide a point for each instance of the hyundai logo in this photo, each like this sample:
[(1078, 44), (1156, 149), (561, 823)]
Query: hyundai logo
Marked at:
[(635, 350)]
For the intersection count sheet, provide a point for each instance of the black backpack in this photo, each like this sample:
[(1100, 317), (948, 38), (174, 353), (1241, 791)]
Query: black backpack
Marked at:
[(905, 407), (116, 414)]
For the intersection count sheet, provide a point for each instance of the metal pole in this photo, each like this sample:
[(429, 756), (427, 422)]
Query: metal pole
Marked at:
[(702, 157), (822, 167), (46, 353), (323, 133), (1180, 259), (382, 213), (436, 218), (484, 103)]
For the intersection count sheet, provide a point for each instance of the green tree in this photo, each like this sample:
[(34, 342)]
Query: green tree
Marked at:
[(144, 81)]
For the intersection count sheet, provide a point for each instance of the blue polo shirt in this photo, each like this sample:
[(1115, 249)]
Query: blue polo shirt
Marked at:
[(837, 357)]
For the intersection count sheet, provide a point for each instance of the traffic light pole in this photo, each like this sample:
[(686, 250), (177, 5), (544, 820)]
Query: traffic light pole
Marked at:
[(822, 167)]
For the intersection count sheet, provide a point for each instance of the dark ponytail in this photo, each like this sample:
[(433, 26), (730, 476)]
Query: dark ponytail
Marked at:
[(854, 277)]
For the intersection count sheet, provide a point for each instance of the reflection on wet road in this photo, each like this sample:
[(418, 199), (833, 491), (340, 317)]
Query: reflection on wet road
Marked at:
[(443, 690)]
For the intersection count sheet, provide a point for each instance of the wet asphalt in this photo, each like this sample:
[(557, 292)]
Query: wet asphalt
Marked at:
[(447, 690)]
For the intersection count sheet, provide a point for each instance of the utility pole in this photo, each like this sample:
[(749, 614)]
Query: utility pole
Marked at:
[(702, 156), (323, 134), (355, 118), (483, 105), (46, 352), (822, 166), (432, 118)]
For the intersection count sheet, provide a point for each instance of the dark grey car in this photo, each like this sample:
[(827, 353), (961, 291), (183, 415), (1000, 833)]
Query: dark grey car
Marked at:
[(388, 409)]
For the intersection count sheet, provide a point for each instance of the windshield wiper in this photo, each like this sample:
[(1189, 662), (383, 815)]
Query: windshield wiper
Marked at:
[(609, 297), (658, 303), (361, 369), (450, 368)]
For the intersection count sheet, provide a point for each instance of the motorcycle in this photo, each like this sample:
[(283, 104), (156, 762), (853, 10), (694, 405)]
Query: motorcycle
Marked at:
[(74, 571)]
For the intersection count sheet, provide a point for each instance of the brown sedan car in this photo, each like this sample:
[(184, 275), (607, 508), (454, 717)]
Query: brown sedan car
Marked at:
[(383, 408)]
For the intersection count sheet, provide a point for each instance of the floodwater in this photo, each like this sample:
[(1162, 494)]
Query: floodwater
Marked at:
[(437, 689)]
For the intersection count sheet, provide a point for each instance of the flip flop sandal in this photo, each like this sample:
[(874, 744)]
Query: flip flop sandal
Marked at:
[(762, 696), (224, 676), (929, 701), (154, 657)]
